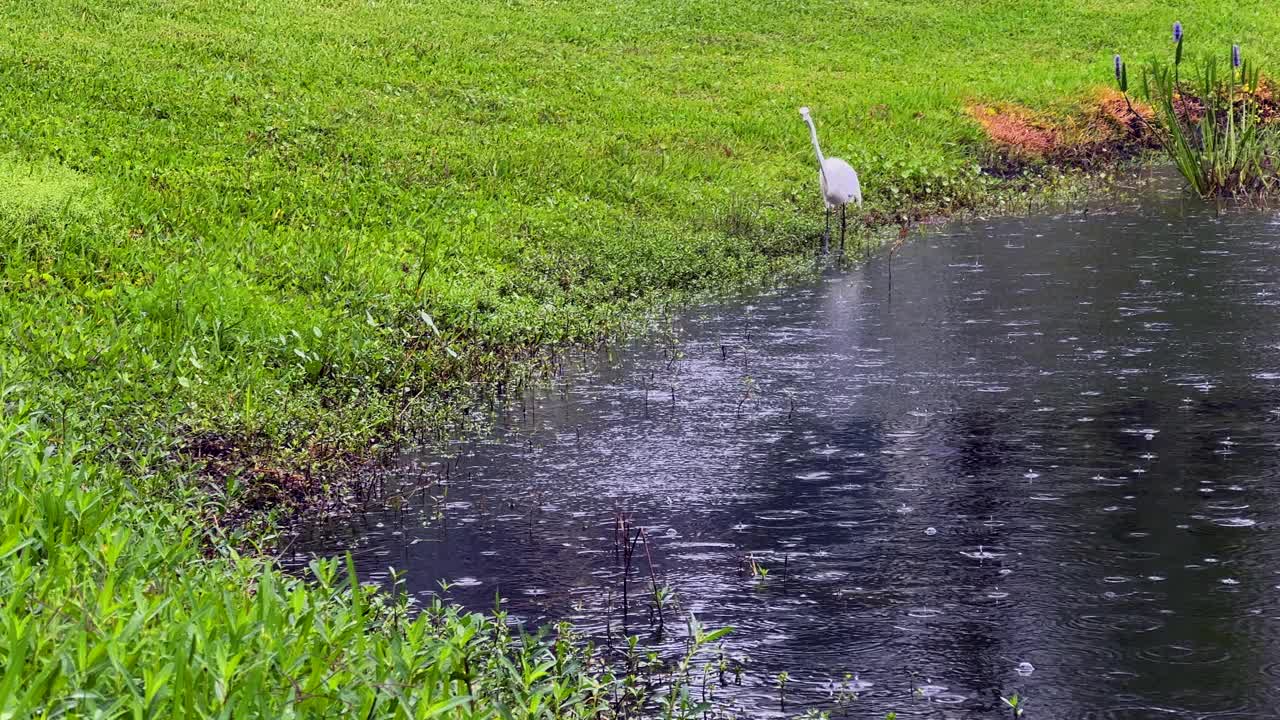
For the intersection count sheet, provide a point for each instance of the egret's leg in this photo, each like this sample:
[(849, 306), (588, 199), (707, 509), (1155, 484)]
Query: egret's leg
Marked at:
[(842, 227), (826, 236)]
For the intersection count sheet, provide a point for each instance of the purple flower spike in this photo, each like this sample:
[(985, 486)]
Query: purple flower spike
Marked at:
[(1177, 32), (1119, 67), (1235, 56)]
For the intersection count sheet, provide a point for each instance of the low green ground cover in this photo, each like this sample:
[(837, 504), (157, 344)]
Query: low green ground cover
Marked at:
[(282, 232)]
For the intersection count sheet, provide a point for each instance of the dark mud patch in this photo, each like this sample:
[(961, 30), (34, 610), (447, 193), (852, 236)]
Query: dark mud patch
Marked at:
[(247, 483)]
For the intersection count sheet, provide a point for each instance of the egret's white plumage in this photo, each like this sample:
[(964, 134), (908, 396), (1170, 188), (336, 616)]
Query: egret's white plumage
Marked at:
[(838, 180), (839, 183)]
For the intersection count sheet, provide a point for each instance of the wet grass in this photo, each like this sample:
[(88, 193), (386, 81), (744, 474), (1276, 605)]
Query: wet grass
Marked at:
[(241, 247)]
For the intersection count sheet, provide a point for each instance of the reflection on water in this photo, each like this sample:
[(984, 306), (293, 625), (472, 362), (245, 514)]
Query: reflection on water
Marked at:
[(1045, 461)]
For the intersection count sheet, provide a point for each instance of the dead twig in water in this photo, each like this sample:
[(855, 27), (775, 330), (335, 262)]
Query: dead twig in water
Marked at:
[(658, 600)]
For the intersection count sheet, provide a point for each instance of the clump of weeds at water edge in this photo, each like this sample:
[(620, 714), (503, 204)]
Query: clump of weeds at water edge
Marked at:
[(1217, 120)]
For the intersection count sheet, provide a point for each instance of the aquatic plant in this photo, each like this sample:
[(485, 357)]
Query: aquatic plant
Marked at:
[(1015, 703), (626, 538), (663, 597), (845, 693), (679, 704), (782, 679), (624, 548), (1214, 126)]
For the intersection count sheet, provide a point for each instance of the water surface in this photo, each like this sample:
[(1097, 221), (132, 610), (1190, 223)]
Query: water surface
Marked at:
[(1046, 441)]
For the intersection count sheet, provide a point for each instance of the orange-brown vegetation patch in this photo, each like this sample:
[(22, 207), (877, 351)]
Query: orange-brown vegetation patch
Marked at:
[(1268, 106), (1104, 128), (1016, 130)]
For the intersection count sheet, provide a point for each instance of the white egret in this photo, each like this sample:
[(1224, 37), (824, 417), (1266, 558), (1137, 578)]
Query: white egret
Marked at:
[(839, 183)]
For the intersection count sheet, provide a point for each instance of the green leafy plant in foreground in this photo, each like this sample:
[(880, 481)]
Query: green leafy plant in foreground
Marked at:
[(1213, 124), (679, 702), (109, 608)]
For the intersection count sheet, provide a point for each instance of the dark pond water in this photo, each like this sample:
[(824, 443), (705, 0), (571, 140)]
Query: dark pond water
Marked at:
[(1047, 440)]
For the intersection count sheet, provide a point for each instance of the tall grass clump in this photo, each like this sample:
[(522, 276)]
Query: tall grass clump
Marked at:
[(1213, 122)]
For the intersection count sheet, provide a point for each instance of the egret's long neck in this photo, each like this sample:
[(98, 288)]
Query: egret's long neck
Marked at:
[(813, 136)]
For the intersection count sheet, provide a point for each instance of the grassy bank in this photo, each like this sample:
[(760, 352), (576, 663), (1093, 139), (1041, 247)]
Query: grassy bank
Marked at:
[(240, 247)]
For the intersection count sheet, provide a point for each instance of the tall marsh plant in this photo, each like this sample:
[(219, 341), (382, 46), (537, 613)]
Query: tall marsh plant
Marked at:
[(1211, 122)]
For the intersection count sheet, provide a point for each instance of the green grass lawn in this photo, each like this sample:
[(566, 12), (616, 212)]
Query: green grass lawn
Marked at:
[(295, 231)]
